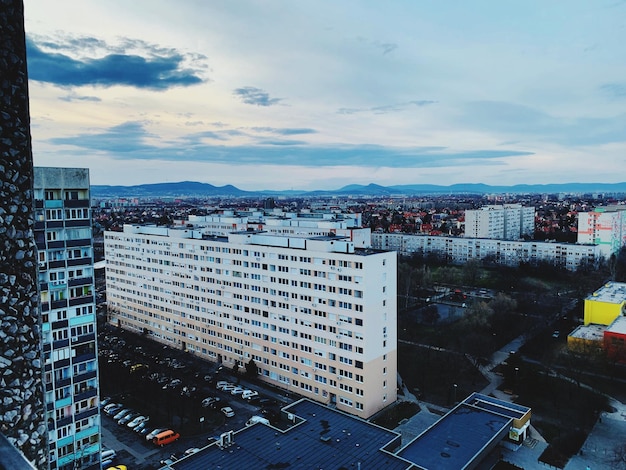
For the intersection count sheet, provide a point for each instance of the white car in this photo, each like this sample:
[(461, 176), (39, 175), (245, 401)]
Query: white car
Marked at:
[(237, 391), (137, 421), (249, 394), (209, 401), (152, 435), (228, 411), (222, 383)]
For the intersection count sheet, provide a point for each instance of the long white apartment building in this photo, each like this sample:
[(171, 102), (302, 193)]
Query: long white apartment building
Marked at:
[(316, 314), (504, 252), (505, 222)]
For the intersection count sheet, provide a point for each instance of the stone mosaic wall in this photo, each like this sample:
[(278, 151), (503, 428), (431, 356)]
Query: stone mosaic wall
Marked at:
[(21, 393)]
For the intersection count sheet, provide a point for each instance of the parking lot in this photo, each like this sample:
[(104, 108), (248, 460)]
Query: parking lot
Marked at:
[(174, 390)]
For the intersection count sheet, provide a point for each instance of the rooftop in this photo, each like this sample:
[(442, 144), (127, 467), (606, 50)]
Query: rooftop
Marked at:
[(322, 438), (460, 438), (618, 326), (611, 292), (590, 332)]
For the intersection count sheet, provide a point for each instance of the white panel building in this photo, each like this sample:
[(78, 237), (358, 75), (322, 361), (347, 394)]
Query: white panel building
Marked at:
[(505, 222), (503, 252), (315, 313)]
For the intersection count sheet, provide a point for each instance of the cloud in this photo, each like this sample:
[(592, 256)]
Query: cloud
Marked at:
[(614, 90), (148, 66), (285, 131), (387, 108), (131, 141), (256, 96), (524, 123), (74, 97), (387, 47)]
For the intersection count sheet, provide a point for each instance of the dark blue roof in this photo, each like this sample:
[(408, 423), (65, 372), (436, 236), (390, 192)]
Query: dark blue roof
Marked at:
[(325, 439)]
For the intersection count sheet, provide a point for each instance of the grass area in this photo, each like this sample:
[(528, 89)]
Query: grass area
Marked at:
[(435, 372), (392, 416)]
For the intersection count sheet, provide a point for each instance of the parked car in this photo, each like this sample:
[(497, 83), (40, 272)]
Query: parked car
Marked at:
[(166, 437), (153, 433), (127, 419), (108, 406), (221, 384), (108, 454), (237, 391), (113, 409), (208, 401), (137, 421), (123, 412), (249, 394), (140, 427), (228, 411)]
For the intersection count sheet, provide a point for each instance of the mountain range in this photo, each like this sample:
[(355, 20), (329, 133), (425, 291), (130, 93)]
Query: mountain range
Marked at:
[(196, 189)]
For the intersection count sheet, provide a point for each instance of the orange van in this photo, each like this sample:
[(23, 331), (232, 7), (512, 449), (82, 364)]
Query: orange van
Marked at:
[(165, 437)]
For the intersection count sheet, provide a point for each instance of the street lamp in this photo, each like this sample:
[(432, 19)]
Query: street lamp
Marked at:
[(454, 392)]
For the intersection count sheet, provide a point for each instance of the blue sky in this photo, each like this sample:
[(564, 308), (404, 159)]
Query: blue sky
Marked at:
[(308, 94)]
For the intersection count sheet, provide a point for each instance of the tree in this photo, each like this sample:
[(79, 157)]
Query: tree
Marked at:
[(471, 272), (251, 369)]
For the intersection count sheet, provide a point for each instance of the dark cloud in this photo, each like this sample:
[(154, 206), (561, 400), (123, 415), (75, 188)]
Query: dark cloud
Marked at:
[(130, 141), (256, 96), (159, 69), (387, 108)]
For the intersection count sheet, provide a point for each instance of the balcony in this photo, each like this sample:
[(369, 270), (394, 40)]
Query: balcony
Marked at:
[(87, 299), (73, 203), (78, 242), (80, 261), (55, 304)]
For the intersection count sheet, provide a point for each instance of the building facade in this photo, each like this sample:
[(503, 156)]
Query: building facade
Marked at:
[(605, 227), (505, 222), (316, 314), (503, 252), (66, 281)]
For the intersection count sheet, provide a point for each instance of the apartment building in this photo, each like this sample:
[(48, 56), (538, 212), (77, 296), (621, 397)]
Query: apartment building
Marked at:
[(505, 222), (65, 258), (605, 227), (277, 222), (503, 252), (316, 314)]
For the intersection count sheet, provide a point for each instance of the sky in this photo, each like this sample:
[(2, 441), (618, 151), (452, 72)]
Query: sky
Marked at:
[(319, 94)]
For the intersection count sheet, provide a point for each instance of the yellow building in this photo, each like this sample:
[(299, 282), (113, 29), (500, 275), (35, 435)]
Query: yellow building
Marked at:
[(606, 304)]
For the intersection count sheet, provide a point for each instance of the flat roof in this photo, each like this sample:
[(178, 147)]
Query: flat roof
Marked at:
[(591, 332), (460, 438), (618, 326), (324, 439), (611, 292)]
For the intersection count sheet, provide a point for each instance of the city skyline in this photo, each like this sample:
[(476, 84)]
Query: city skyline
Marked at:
[(321, 95)]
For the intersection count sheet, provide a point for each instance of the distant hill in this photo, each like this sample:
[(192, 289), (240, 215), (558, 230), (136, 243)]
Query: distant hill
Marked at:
[(194, 189), (181, 189)]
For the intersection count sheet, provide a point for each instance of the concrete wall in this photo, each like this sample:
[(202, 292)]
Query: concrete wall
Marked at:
[(21, 393)]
